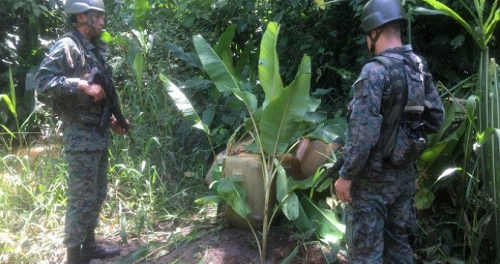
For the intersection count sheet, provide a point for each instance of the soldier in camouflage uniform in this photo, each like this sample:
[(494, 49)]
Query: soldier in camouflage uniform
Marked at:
[(63, 77), (380, 212)]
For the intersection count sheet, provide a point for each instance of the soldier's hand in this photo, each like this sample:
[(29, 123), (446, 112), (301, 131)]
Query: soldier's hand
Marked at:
[(93, 90), (342, 189), (117, 129)]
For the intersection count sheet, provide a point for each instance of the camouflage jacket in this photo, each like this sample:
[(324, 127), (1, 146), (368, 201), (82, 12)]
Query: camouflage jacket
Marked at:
[(57, 79), (362, 154)]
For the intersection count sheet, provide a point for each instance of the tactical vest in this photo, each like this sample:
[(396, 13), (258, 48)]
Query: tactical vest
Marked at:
[(401, 138), (80, 108)]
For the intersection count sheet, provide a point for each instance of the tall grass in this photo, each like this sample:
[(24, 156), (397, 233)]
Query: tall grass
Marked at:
[(33, 199), (154, 179)]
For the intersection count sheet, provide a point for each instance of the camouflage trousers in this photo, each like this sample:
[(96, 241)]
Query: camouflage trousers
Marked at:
[(87, 189), (381, 217)]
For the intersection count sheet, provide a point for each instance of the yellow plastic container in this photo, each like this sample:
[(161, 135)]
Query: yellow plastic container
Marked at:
[(250, 167), (312, 154)]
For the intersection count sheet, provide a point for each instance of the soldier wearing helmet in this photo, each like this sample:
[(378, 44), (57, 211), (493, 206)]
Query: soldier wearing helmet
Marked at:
[(377, 187), (63, 77)]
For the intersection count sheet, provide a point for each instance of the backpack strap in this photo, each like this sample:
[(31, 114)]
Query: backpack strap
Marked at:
[(395, 104)]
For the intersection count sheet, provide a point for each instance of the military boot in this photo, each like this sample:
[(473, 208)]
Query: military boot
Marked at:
[(74, 255), (90, 249)]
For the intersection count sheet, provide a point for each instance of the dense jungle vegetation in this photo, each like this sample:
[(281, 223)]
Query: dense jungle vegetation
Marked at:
[(159, 175)]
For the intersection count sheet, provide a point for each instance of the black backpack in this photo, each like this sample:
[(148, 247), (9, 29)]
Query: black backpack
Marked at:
[(401, 141)]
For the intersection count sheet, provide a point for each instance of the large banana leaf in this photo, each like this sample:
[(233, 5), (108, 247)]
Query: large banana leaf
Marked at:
[(247, 58), (325, 223), (280, 118), (269, 72), (220, 74), (142, 8), (223, 48), (287, 199), (234, 194), (183, 104)]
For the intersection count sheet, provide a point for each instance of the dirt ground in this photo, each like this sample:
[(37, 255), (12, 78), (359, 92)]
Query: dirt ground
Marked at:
[(221, 244)]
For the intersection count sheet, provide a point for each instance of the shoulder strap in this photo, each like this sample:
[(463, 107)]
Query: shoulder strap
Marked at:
[(394, 105), (77, 38)]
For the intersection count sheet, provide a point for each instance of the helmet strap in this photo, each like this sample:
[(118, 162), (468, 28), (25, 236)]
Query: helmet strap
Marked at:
[(79, 24), (374, 40), (89, 22)]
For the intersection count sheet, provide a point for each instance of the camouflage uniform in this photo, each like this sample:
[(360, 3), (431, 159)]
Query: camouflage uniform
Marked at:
[(86, 143), (381, 214)]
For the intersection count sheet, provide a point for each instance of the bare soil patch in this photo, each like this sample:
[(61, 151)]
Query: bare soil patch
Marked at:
[(221, 244)]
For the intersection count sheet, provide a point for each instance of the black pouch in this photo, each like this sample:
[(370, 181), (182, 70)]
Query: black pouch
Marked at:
[(409, 146)]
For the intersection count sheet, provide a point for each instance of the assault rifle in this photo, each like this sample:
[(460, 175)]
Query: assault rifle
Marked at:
[(111, 105), (337, 143)]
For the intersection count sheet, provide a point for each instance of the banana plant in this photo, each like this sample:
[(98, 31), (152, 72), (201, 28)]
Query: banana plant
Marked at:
[(274, 124), (485, 17)]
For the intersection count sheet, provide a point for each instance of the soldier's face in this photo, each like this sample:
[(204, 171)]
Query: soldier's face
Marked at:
[(98, 21)]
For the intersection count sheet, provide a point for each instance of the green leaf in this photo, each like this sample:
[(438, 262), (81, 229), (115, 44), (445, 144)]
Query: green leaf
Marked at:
[(432, 159), (281, 183), (490, 28), (183, 104), (335, 128), (8, 131), (423, 199), (214, 66), (287, 199), (290, 207), (211, 199), (223, 48), (487, 135), (245, 59), (9, 103), (269, 73), (106, 37), (220, 75), (136, 256), (325, 222), (12, 89), (321, 4), (449, 12), (141, 9), (291, 256), (427, 11), (234, 195), (189, 57), (123, 228), (314, 104), (138, 67), (280, 118)]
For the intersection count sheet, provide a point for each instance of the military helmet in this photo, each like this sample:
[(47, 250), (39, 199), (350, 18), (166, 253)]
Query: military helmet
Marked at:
[(379, 12), (80, 6)]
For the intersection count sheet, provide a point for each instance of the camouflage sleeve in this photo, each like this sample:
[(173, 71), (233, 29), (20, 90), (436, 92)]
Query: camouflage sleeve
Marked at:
[(53, 77), (365, 120), (434, 110)]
